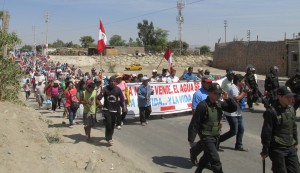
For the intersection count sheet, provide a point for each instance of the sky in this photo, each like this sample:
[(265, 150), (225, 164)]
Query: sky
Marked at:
[(69, 20)]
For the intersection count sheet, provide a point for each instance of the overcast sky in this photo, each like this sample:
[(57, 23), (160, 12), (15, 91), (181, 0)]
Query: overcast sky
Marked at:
[(203, 19)]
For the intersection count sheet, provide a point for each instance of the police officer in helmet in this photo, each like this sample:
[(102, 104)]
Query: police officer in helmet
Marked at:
[(271, 85), (253, 94), (279, 133), (206, 123), (294, 84)]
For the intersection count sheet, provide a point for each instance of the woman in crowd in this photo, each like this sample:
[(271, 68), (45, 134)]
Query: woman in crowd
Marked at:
[(122, 85), (54, 95), (71, 95)]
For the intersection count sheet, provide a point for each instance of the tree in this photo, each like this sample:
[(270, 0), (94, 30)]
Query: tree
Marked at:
[(136, 43), (8, 39), (204, 50), (26, 48), (58, 43), (116, 40), (175, 45), (86, 41), (10, 72), (160, 40), (146, 33)]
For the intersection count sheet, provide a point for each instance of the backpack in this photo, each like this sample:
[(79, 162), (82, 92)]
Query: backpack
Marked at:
[(74, 101)]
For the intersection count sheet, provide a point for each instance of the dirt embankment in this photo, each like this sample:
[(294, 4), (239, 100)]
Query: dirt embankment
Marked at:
[(34, 141)]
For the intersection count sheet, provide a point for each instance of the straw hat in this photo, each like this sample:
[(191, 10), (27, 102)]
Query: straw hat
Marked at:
[(119, 75)]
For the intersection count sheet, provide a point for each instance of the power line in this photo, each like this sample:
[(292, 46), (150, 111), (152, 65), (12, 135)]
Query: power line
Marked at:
[(3, 5), (134, 17)]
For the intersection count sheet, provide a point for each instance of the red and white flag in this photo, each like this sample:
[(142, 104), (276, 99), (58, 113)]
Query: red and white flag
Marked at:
[(168, 57), (102, 38)]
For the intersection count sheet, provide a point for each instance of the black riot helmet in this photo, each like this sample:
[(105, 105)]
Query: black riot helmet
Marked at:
[(229, 74), (274, 69)]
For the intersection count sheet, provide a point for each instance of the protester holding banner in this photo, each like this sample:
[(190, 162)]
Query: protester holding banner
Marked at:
[(189, 75), (172, 77), (113, 97), (154, 76), (144, 104)]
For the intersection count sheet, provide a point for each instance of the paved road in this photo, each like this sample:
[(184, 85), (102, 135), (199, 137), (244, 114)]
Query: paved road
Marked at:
[(164, 143)]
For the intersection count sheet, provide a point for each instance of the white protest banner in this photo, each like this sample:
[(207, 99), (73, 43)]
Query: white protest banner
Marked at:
[(168, 98)]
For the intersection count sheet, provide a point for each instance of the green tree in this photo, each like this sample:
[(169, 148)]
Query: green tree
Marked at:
[(26, 48), (86, 41), (175, 45), (136, 43), (38, 48), (58, 43), (116, 40), (160, 40), (10, 72), (204, 50), (146, 33)]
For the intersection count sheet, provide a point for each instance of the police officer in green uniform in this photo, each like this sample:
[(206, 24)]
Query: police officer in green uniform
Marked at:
[(294, 84), (253, 94), (279, 134), (207, 125), (271, 85)]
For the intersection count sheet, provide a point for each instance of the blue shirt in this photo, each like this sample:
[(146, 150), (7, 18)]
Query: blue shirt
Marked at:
[(200, 95), (144, 93), (188, 76)]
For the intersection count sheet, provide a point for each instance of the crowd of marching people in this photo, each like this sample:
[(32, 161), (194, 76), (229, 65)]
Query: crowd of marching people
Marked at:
[(63, 86)]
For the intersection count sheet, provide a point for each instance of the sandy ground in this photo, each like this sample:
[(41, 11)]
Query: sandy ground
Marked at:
[(24, 146)]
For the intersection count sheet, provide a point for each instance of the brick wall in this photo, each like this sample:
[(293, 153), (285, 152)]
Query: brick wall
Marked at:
[(262, 55)]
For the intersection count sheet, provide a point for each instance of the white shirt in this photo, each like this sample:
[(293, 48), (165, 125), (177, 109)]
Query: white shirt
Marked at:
[(233, 91), (172, 79)]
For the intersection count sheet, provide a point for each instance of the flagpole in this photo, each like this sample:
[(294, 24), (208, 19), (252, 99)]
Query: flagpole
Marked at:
[(160, 63), (101, 71)]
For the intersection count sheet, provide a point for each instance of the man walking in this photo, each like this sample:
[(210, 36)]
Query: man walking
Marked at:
[(279, 135), (271, 85), (88, 99), (206, 123), (235, 119), (199, 96), (144, 104), (113, 97)]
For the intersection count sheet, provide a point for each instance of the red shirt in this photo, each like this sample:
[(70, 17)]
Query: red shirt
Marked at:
[(68, 96)]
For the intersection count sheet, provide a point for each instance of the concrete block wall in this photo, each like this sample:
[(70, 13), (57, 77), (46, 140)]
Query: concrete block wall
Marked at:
[(262, 55)]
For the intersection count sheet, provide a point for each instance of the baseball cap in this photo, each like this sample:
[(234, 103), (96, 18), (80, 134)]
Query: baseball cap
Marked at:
[(89, 81), (200, 69), (206, 79), (285, 91), (154, 70), (145, 78), (113, 78), (133, 75), (215, 88)]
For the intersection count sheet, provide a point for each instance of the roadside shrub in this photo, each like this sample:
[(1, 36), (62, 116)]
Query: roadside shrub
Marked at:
[(10, 77)]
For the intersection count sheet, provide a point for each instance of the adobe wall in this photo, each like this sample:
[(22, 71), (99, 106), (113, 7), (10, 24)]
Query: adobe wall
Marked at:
[(262, 55)]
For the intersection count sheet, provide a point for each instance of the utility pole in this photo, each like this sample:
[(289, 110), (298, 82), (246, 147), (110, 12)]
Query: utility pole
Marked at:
[(34, 44), (46, 21), (5, 24), (225, 26), (180, 20), (248, 35)]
